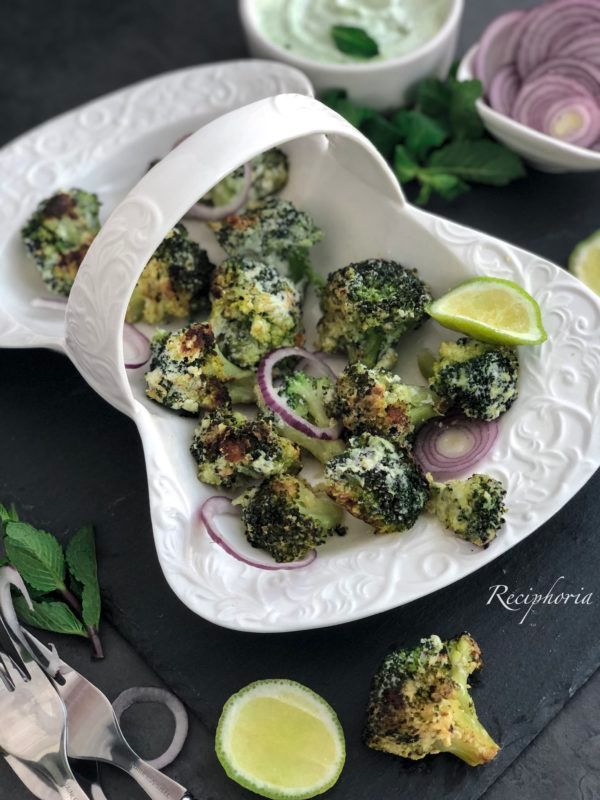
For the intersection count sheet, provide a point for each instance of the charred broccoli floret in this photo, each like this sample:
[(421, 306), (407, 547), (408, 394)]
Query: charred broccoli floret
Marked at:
[(480, 379), (59, 234), (378, 483), (269, 173), (473, 507), (229, 449), (377, 401), (174, 283), (276, 232), (420, 703), (254, 310), (310, 398), (367, 307), (188, 374), (287, 518)]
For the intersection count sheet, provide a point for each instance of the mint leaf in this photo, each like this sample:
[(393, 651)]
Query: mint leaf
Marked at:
[(81, 561), (382, 133), (405, 167), (419, 132), (338, 100), (354, 41), (49, 615), (447, 186), (480, 161), (4, 562), (433, 98), (464, 117), (36, 555)]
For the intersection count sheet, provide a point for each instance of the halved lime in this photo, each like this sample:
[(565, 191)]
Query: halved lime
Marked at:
[(280, 740), (491, 310), (584, 262)]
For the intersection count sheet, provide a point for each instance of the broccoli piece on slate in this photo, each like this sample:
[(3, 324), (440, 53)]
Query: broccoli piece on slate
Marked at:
[(174, 283), (275, 232), (378, 483), (479, 379), (367, 307), (287, 518), (473, 508), (59, 234), (420, 703), (230, 449), (377, 401), (308, 397), (254, 310), (269, 173), (188, 374)]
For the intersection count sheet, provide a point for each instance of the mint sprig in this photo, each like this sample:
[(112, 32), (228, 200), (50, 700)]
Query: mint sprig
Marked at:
[(64, 589), (353, 41)]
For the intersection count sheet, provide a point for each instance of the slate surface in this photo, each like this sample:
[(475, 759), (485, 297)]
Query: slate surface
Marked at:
[(67, 458)]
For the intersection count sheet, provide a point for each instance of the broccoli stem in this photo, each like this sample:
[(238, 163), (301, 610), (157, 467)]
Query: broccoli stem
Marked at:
[(241, 383), (472, 743)]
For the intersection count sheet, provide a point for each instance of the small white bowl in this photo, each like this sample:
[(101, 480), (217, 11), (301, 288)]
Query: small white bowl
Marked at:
[(380, 84), (541, 151)]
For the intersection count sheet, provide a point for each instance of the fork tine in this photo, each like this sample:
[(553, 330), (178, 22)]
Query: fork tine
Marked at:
[(7, 646), (5, 676)]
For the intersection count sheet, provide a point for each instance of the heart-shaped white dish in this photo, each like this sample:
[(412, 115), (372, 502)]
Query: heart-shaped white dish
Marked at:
[(549, 443)]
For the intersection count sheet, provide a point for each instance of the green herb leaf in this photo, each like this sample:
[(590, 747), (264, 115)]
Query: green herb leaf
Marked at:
[(4, 562), (433, 98), (36, 555), (300, 267), (354, 41), (49, 615), (405, 167), (447, 186), (419, 132), (81, 560), (464, 117), (481, 161), (8, 514), (382, 133)]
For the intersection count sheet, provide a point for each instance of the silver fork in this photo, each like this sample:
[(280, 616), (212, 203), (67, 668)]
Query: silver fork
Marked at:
[(33, 730)]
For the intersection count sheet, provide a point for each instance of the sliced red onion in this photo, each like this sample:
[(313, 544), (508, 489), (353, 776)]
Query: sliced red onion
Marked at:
[(278, 405), (549, 26), (51, 304), (504, 89), (585, 46), (576, 121), (154, 694), (208, 213), (236, 544), (136, 347), (497, 46), (587, 75), (450, 447)]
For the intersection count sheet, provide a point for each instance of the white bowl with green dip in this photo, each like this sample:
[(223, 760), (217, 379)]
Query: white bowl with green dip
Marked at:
[(375, 49)]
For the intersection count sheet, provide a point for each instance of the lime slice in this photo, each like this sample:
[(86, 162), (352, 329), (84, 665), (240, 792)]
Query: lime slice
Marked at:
[(280, 740), (491, 310), (584, 262)]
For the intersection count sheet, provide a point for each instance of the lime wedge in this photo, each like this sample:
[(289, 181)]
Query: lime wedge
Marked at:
[(584, 262), (280, 740), (491, 310)]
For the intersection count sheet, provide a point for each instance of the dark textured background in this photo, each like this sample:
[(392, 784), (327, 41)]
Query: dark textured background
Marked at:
[(67, 458)]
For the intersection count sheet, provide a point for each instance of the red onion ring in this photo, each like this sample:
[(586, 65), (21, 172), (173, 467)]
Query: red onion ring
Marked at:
[(436, 455), (571, 67), (50, 304), (497, 46), (219, 505), (279, 406), (136, 347), (504, 89), (154, 694)]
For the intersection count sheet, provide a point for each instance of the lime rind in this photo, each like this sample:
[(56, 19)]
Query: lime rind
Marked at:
[(578, 261), (487, 333), (327, 716)]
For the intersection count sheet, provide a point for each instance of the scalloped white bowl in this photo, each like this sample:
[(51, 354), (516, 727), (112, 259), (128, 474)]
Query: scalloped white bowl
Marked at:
[(541, 151), (549, 443)]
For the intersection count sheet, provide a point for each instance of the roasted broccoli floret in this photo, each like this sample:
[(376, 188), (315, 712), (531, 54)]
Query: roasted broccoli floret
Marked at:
[(188, 374), (276, 232), (479, 379), (309, 397), (377, 401), (473, 507), (367, 307), (174, 283), (254, 310), (287, 518), (420, 703), (230, 449), (269, 173), (59, 234), (378, 483)]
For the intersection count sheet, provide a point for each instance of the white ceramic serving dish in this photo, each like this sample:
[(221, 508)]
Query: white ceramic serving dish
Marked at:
[(549, 443), (541, 151), (379, 84)]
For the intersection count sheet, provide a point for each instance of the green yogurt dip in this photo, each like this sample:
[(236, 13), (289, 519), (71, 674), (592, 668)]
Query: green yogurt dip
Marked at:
[(304, 26)]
